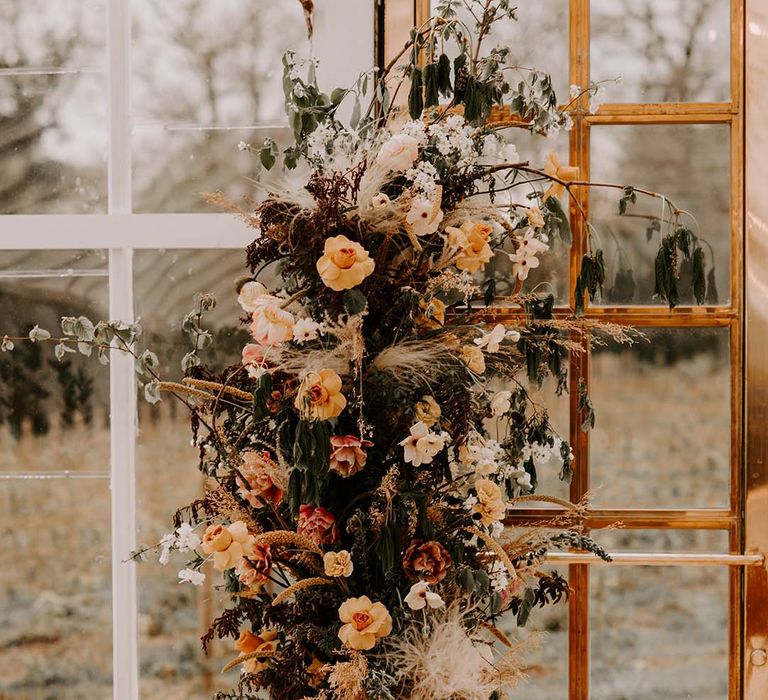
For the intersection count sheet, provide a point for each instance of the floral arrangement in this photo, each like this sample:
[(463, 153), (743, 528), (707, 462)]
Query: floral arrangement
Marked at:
[(362, 457)]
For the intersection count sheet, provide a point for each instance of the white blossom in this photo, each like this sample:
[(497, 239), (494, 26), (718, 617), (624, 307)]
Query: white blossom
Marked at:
[(196, 578), (305, 329), (420, 596), (421, 445), (492, 341), (186, 538)]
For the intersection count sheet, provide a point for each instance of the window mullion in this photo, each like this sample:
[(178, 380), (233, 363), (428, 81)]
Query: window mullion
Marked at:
[(125, 669)]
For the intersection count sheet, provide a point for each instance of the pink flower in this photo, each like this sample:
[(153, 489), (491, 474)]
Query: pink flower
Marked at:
[(253, 359), (260, 483), (318, 524), (347, 454), (253, 570), (271, 325)]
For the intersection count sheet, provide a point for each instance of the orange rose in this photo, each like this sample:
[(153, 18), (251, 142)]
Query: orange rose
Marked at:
[(344, 263), (365, 623), (319, 396), (266, 642)]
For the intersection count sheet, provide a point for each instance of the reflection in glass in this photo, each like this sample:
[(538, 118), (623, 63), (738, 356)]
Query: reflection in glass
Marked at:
[(664, 50), (659, 633), (53, 415), (663, 436), (36, 263), (688, 163), (174, 168), (53, 147), (55, 589), (172, 664), (624, 540)]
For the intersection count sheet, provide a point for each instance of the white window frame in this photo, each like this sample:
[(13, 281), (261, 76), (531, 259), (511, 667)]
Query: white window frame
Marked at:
[(122, 232)]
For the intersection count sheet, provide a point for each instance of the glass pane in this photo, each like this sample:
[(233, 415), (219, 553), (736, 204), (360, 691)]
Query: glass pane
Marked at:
[(53, 147), (659, 633), (688, 163), (54, 416), (41, 33), (172, 615), (36, 263), (664, 50), (231, 76), (551, 19), (547, 665), (663, 429), (552, 275), (173, 168), (623, 540), (55, 589)]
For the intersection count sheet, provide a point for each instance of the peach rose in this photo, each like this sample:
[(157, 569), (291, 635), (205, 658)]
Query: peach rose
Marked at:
[(490, 501), (227, 543), (338, 564), (365, 623), (553, 168), (319, 396), (347, 454), (344, 263), (318, 524), (472, 357), (266, 642), (471, 240), (260, 483), (271, 325), (429, 561), (253, 569)]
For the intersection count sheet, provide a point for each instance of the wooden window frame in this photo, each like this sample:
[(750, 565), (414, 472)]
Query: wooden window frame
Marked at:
[(746, 516)]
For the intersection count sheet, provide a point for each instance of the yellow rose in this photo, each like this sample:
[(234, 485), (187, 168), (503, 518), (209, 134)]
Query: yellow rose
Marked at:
[(553, 168), (344, 264), (365, 623), (471, 240), (319, 396), (338, 564), (427, 410), (490, 501), (472, 357), (228, 544)]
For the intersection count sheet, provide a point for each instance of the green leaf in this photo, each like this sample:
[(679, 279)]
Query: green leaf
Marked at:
[(38, 334), (444, 74), (698, 282), (338, 95), (354, 120), (152, 392), (712, 295), (586, 408), (629, 197), (415, 97), (261, 395), (559, 218), (354, 301), (268, 153), (490, 292), (431, 97), (189, 361)]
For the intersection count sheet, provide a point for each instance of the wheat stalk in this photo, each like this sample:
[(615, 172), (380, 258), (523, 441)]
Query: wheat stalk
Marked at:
[(216, 387), (495, 547), (287, 537), (496, 632), (247, 657), (299, 586)]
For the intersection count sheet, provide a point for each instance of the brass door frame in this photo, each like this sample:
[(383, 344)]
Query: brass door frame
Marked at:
[(746, 517)]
